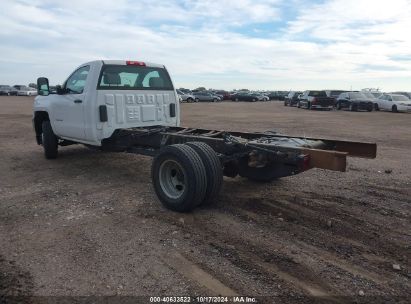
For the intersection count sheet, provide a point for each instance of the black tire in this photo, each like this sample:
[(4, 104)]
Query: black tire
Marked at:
[(192, 193), (369, 107), (196, 100), (309, 106), (214, 100), (49, 141), (236, 99), (254, 100), (213, 168), (353, 107), (298, 105), (189, 99), (285, 103), (376, 107), (339, 107), (394, 109)]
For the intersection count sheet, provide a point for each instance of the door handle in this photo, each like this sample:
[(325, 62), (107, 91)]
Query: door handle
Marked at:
[(78, 101)]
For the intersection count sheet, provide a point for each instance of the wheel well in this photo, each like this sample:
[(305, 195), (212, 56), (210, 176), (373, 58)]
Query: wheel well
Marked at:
[(38, 119)]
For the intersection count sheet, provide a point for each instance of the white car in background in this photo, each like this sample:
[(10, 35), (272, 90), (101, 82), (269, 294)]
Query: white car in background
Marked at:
[(186, 97), (26, 91), (394, 103)]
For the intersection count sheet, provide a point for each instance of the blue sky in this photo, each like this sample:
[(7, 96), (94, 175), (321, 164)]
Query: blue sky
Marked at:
[(266, 44)]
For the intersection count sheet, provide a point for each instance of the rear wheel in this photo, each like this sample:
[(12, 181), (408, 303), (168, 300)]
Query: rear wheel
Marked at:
[(376, 107), (394, 109), (213, 168), (309, 106), (179, 178), (236, 99), (339, 107), (369, 107), (215, 100), (49, 141), (189, 99), (254, 99)]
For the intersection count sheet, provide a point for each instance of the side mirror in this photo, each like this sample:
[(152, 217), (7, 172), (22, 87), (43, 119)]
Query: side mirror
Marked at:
[(43, 87)]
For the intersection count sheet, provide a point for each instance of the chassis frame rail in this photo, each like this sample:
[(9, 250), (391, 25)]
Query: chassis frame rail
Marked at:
[(260, 148)]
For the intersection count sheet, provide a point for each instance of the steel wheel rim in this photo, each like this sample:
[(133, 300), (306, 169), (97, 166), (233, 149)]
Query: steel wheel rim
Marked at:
[(172, 179)]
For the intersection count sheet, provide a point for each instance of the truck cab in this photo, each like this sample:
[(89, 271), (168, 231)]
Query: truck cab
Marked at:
[(102, 96)]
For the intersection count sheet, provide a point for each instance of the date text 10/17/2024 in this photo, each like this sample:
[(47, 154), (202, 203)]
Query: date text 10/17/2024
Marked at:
[(203, 299)]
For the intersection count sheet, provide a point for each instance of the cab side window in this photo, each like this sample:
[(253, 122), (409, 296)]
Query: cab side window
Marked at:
[(77, 81)]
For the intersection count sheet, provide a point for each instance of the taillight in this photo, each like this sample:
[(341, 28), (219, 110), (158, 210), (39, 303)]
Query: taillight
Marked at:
[(139, 63), (305, 162)]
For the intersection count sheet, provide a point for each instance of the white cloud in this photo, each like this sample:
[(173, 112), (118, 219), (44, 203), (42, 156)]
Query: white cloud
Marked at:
[(334, 44)]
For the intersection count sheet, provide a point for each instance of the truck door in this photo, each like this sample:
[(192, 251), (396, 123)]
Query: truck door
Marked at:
[(69, 108)]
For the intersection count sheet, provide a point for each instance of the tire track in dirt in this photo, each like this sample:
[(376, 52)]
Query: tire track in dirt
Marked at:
[(194, 273), (266, 265), (16, 285), (328, 257), (357, 231)]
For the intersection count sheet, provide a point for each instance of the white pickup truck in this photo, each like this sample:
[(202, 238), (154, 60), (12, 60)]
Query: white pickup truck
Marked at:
[(132, 106)]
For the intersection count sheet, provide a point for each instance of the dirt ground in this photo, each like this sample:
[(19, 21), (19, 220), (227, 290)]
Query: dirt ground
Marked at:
[(89, 223)]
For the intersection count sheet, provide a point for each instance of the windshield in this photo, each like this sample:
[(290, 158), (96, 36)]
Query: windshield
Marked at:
[(357, 95), (128, 77), (336, 93), (318, 93), (369, 95), (400, 98)]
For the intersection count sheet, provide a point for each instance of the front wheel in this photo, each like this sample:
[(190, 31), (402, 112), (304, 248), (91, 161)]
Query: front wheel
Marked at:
[(49, 141), (376, 107), (214, 100), (179, 178), (394, 109), (190, 99)]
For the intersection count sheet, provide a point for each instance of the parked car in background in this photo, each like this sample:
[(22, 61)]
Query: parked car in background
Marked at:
[(223, 94), (277, 95), (394, 103), (292, 98), (334, 93), (371, 98), (375, 92), (282, 95), (186, 97), (244, 97), (316, 100), (408, 94), (5, 90), (260, 96), (354, 101), (26, 91), (205, 96)]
